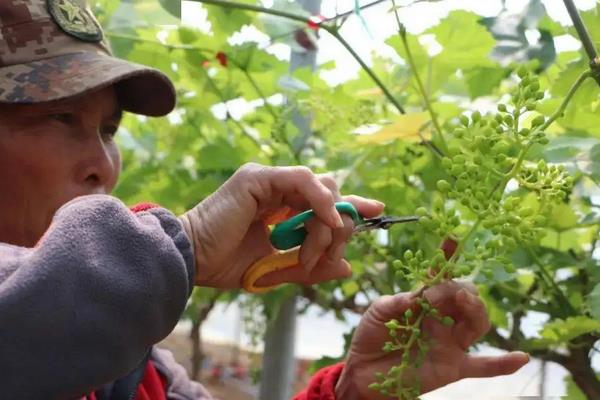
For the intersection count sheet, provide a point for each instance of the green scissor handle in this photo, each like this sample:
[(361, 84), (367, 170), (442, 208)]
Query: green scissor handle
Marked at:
[(291, 233)]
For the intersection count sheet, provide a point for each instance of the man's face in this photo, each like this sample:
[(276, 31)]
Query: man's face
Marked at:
[(50, 154)]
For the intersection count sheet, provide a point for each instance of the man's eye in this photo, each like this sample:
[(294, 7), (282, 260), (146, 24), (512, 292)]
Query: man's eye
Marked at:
[(109, 131), (64, 118)]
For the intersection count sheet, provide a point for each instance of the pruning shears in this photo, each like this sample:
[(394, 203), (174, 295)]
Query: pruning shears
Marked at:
[(287, 237)]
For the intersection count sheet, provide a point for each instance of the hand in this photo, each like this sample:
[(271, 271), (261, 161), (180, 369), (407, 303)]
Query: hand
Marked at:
[(229, 229), (447, 360)]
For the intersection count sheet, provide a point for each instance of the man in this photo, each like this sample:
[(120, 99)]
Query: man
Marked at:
[(88, 286)]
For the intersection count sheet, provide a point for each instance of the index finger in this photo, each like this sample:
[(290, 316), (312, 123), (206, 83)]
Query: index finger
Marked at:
[(287, 180)]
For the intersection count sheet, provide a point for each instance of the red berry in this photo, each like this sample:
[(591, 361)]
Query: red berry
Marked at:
[(314, 22), (449, 247), (222, 57)]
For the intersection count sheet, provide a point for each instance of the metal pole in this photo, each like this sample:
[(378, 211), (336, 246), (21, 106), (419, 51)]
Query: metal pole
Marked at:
[(279, 363)]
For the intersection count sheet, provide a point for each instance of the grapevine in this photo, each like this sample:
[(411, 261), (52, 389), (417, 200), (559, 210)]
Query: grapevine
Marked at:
[(478, 215)]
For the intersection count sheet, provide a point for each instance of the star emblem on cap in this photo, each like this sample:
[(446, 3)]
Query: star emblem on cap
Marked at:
[(73, 12), (75, 18)]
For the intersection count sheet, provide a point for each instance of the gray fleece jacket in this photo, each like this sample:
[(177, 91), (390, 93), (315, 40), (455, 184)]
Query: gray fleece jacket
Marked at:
[(84, 307)]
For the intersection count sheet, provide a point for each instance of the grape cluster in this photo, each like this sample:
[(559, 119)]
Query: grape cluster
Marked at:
[(475, 207), (408, 338)]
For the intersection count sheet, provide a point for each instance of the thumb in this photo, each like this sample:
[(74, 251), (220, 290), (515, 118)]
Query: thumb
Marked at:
[(490, 366), (391, 307)]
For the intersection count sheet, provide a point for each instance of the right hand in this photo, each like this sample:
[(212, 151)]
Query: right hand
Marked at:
[(230, 232)]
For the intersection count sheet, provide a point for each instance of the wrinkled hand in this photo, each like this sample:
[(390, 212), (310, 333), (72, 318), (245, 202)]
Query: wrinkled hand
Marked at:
[(447, 360), (229, 228)]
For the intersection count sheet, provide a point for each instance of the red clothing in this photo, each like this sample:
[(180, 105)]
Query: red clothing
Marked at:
[(320, 387), (322, 384), (153, 385)]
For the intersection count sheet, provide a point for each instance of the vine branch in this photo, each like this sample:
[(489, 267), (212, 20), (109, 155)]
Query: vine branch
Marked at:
[(585, 38), (413, 67), (304, 19)]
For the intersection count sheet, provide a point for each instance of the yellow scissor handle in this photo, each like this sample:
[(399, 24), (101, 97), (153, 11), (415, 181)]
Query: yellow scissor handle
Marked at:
[(270, 263)]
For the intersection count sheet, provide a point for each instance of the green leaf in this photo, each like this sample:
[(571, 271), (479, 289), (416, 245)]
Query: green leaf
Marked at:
[(563, 331), (466, 43), (593, 302), (563, 217), (483, 80), (350, 288)]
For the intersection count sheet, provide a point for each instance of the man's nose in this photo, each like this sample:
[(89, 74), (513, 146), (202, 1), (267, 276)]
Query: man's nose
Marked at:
[(99, 166)]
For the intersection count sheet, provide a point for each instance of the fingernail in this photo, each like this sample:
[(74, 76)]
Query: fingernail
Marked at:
[(379, 203), (521, 353), (462, 296), (337, 219), (471, 299)]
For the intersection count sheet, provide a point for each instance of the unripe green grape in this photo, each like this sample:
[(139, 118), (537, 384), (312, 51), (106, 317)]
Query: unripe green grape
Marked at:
[(446, 162), (502, 147), (421, 212), (443, 186), (502, 108), (542, 165), (535, 85), (538, 121), (508, 119), (408, 313), (397, 264), (464, 120), (457, 169), (526, 212), (454, 150), (460, 132), (408, 255), (447, 321), (525, 132), (459, 159), (522, 72), (530, 106), (543, 141), (393, 324), (476, 116), (539, 95)]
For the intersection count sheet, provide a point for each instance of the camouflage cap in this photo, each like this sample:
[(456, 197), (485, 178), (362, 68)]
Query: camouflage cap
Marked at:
[(55, 49)]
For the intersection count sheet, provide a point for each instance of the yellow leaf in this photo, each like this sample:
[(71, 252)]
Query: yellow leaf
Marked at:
[(369, 92), (406, 127)]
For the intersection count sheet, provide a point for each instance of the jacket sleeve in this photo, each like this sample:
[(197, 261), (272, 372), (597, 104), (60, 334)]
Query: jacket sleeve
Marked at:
[(83, 307), (179, 384), (322, 384)]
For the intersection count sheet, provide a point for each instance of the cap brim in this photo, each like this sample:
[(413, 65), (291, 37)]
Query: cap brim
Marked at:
[(140, 89)]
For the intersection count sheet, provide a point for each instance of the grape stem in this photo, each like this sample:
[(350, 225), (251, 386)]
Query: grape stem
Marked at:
[(560, 111), (415, 71)]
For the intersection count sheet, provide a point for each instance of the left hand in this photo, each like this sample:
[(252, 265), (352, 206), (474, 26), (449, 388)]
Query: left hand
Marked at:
[(447, 360)]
